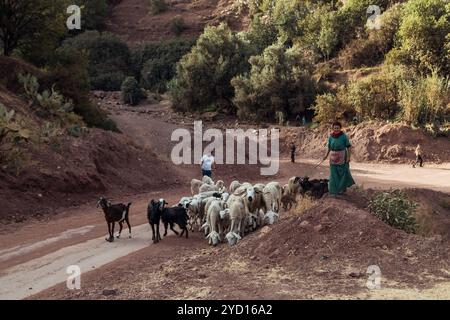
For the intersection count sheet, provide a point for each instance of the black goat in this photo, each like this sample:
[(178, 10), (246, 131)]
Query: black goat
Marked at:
[(154, 213), (175, 215), (114, 213), (317, 188)]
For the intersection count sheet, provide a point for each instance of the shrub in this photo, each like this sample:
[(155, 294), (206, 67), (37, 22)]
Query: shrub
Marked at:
[(203, 75), (48, 103), (394, 208), (426, 101), (423, 40), (157, 6), (328, 108), (177, 25), (279, 81), (262, 33), (109, 58), (69, 73), (154, 64), (131, 91)]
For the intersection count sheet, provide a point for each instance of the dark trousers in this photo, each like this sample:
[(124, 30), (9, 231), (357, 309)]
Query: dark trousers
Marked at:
[(419, 160), (207, 173), (292, 157)]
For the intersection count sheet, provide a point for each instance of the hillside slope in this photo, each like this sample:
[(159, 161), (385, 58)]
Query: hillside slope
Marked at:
[(53, 169), (132, 21)]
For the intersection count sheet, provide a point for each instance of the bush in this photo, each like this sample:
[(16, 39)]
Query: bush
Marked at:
[(426, 101), (109, 58), (372, 47), (279, 81), (262, 33), (131, 91), (177, 25), (394, 208), (154, 64), (68, 71), (423, 36), (93, 13), (203, 75), (328, 108), (157, 6)]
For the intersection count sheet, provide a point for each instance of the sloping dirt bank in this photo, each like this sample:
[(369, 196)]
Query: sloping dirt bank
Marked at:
[(381, 142)]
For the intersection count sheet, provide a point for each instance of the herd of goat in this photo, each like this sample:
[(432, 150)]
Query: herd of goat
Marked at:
[(223, 214)]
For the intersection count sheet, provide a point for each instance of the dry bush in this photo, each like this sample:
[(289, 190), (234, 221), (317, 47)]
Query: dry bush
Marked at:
[(304, 203)]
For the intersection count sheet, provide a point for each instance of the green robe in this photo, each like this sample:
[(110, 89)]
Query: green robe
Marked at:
[(340, 176)]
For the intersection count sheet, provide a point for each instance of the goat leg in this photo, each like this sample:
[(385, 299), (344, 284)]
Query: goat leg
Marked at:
[(158, 235), (111, 236), (120, 230), (153, 232), (129, 226), (171, 228), (109, 231)]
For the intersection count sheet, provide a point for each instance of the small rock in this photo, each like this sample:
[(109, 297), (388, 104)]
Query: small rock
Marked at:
[(355, 274), (385, 247), (304, 223), (109, 292), (318, 228)]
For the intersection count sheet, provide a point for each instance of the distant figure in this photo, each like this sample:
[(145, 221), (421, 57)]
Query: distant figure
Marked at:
[(293, 152), (418, 156), (304, 121), (208, 163), (298, 120)]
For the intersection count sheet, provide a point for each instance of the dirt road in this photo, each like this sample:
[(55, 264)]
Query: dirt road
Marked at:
[(34, 256)]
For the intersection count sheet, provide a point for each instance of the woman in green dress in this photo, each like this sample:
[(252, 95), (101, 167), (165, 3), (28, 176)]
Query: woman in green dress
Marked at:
[(339, 151)]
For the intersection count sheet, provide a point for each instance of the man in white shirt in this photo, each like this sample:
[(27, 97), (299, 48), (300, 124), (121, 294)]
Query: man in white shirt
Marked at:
[(208, 164)]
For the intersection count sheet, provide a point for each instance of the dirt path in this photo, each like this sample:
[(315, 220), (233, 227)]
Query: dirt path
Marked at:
[(34, 256)]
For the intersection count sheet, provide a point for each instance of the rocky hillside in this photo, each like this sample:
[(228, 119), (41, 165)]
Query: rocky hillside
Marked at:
[(133, 21)]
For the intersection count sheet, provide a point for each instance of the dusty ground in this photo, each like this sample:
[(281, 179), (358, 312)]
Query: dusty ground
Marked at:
[(314, 253), (319, 254)]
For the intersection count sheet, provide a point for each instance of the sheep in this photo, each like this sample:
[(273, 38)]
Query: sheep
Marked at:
[(293, 186), (114, 213), (253, 201), (207, 180), (195, 186), (196, 208), (236, 211), (285, 189), (184, 201), (218, 186), (154, 212), (213, 222), (174, 215), (234, 185), (287, 200), (272, 199)]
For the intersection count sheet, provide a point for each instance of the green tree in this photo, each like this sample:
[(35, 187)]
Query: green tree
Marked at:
[(424, 36), (31, 25), (279, 81), (109, 58), (203, 75)]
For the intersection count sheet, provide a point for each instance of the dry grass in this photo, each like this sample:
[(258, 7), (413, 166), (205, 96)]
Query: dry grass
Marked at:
[(304, 203)]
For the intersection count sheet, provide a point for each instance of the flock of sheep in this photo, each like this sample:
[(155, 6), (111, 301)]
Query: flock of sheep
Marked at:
[(229, 214), (224, 214)]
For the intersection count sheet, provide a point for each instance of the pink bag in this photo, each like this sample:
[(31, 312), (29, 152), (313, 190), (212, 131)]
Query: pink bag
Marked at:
[(337, 157)]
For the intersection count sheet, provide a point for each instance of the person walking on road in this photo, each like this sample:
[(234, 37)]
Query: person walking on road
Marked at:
[(293, 152), (339, 151), (207, 164), (419, 159)]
